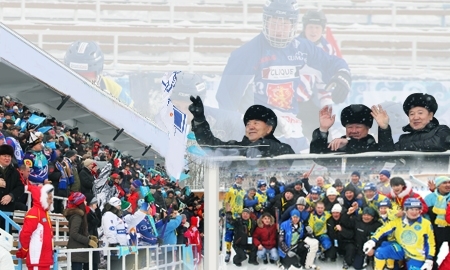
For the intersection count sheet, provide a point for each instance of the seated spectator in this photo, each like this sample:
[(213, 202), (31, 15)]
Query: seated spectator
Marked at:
[(294, 247), (11, 188), (424, 132), (260, 123), (265, 239), (357, 120)]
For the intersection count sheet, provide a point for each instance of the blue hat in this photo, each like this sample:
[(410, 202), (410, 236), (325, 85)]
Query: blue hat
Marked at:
[(385, 202), (441, 179), (238, 176), (295, 212), (370, 186), (412, 203), (316, 190), (137, 183), (356, 173), (386, 173)]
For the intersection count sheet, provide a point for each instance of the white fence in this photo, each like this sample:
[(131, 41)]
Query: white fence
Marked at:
[(400, 52), (243, 12)]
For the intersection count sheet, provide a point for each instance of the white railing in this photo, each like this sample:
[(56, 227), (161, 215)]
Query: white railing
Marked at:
[(409, 53), (156, 257), (244, 12)]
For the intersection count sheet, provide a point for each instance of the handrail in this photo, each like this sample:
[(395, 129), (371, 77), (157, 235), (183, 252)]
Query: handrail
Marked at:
[(244, 8), (107, 252), (8, 221), (412, 56)]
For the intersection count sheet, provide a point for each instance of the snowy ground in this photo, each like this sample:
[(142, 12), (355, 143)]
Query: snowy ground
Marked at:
[(323, 265)]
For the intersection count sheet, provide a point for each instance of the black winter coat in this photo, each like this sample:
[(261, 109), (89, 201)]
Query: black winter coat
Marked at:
[(282, 204), (319, 143), (86, 181), (433, 138), (14, 187), (344, 236), (363, 231), (265, 147), (242, 229)]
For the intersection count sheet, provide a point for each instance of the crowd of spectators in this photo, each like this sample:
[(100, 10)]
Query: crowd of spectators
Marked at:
[(75, 166)]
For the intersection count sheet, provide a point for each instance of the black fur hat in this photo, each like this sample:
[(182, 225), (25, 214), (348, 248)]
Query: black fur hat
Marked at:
[(6, 149), (420, 100), (259, 112), (357, 114)]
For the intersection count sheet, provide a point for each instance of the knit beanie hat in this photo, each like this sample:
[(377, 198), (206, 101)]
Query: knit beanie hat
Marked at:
[(125, 205), (386, 173), (441, 179), (75, 199)]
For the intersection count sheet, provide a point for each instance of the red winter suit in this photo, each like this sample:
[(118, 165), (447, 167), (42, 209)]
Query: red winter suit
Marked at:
[(36, 236), (193, 237)]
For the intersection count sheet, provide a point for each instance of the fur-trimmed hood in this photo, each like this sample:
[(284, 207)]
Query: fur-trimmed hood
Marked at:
[(72, 211), (39, 195), (405, 192), (260, 223)]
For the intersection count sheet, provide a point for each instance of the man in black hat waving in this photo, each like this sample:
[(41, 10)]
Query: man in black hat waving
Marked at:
[(425, 134), (357, 120), (260, 123)]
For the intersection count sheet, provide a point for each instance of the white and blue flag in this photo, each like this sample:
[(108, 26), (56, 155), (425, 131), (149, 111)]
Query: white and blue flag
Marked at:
[(175, 123)]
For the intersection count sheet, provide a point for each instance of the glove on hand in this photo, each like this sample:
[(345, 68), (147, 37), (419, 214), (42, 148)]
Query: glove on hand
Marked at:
[(428, 265), (340, 201), (93, 238), (339, 86), (309, 230), (368, 246), (22, 253), (93, 244), (291, 254), (197, 110), (186, 225)]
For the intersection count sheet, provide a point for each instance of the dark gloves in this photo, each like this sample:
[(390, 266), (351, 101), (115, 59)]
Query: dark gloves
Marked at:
[(197, 110), (339, 86)]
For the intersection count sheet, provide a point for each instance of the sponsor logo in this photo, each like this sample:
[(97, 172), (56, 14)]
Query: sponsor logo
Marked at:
[(268, 58), (298, 56), (280, 95), (112, 228), (78, 66), (28, 163), (281, 72)]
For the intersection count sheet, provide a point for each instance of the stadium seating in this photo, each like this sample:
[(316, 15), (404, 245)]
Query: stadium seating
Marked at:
[(160, 35)]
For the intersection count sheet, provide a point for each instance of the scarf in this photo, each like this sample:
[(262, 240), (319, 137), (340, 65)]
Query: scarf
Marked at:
[(440, 208)]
